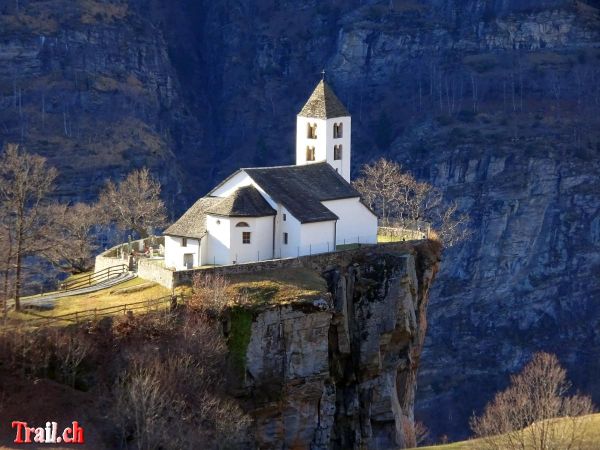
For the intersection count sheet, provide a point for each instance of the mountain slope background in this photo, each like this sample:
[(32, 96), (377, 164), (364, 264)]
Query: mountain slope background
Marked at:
[(496, 102)]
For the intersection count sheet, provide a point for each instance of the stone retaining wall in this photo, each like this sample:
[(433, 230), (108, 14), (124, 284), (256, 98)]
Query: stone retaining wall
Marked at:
[(152, 270), (183, 277)]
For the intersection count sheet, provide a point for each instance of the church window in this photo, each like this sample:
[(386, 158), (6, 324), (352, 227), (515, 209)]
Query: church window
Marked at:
[(337, 130), (285, 238), (184, 242), (246, 237), (242, 224), (312, 130), (284, 217), (310, 153), (337, 152)]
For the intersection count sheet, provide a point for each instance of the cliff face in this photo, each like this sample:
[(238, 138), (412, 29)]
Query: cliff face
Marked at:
[(341, 372)]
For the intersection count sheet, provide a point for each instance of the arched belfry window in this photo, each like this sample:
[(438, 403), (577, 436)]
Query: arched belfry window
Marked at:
[(338, 130), (242, 224), (310, 153), (337, 152), (312, 131)]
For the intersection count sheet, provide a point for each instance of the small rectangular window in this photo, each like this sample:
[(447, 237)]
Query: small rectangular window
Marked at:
[(312, 131), (184, 242), (284, 217), (285, 238), (246, 237), (310, 153), (337, 152)]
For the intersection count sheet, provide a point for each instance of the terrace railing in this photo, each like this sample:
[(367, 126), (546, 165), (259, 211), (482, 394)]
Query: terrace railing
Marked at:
[(93, 278)]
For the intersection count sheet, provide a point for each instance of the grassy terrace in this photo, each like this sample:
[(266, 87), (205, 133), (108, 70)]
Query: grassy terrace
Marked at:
[(591, 437), (129, 292), (277, 286)]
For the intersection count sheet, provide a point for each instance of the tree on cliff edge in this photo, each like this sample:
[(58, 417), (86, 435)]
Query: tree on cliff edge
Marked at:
[(397, 196), (134, 204)]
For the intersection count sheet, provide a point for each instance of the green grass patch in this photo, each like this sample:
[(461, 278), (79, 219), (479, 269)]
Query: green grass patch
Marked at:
[(239, 338)]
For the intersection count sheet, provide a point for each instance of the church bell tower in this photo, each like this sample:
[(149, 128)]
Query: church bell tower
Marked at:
[(323, 130)]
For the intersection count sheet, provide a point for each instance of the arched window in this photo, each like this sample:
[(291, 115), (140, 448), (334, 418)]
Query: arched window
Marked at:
[(242, 224), (312, 131), (310, 153), (337, 152), (338, 130)]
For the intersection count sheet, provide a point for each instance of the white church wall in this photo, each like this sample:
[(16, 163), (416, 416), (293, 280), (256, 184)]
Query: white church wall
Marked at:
[(174, 252), (342, 165), (239, 180), (303, 141), (356, 222), (204, 251), (291, 226), (219, 230), (317, 237), (261, 239)]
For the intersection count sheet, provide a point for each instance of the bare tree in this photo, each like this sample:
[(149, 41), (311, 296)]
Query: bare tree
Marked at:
[(25, 182), (380, 187), (525, 414), (6, 260), (73, 238), (397, 196), (210, 293), (134, 204)]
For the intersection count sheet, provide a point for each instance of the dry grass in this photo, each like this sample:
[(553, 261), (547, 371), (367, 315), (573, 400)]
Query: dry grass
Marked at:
[(277, 286), (591, 438), (112, 296)]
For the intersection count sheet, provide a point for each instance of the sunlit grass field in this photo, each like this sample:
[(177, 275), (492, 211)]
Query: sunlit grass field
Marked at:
[(591, 438)]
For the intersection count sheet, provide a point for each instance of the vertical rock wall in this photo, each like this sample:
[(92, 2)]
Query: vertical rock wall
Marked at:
[(340, 372)]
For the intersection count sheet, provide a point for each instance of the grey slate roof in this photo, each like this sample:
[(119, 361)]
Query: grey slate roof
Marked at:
[(243, 202), (193, 222), (301, 189), (323, 104)]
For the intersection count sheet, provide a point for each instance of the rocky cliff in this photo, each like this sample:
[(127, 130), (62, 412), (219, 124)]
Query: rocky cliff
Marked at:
[(339, 372)]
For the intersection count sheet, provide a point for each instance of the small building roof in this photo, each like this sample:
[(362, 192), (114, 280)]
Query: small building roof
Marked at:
[(245, 201), (323, 104), (301, 189), (193, 222)]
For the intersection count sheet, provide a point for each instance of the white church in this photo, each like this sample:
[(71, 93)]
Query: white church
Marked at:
[(265, 213)]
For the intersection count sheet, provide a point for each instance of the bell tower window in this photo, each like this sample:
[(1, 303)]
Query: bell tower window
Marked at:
[(312, 131), (310, 153), (337, 152), (338, 130)]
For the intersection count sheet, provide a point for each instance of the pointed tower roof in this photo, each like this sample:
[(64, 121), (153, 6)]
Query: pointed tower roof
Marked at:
[(323, 104)]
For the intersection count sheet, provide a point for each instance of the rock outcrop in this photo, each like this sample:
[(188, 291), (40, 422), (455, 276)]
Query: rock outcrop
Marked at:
[(340, 372)]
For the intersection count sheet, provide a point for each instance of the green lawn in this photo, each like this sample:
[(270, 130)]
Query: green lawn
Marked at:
[(591, 438)]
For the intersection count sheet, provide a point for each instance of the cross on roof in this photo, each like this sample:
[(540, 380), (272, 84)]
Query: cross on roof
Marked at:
[(323, 74)]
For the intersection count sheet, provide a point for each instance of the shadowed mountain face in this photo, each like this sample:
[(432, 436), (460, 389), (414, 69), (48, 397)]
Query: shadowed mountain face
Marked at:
[(496, 102)]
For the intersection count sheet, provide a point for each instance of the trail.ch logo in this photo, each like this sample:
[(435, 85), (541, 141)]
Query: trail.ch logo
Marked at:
[(47, 435)]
